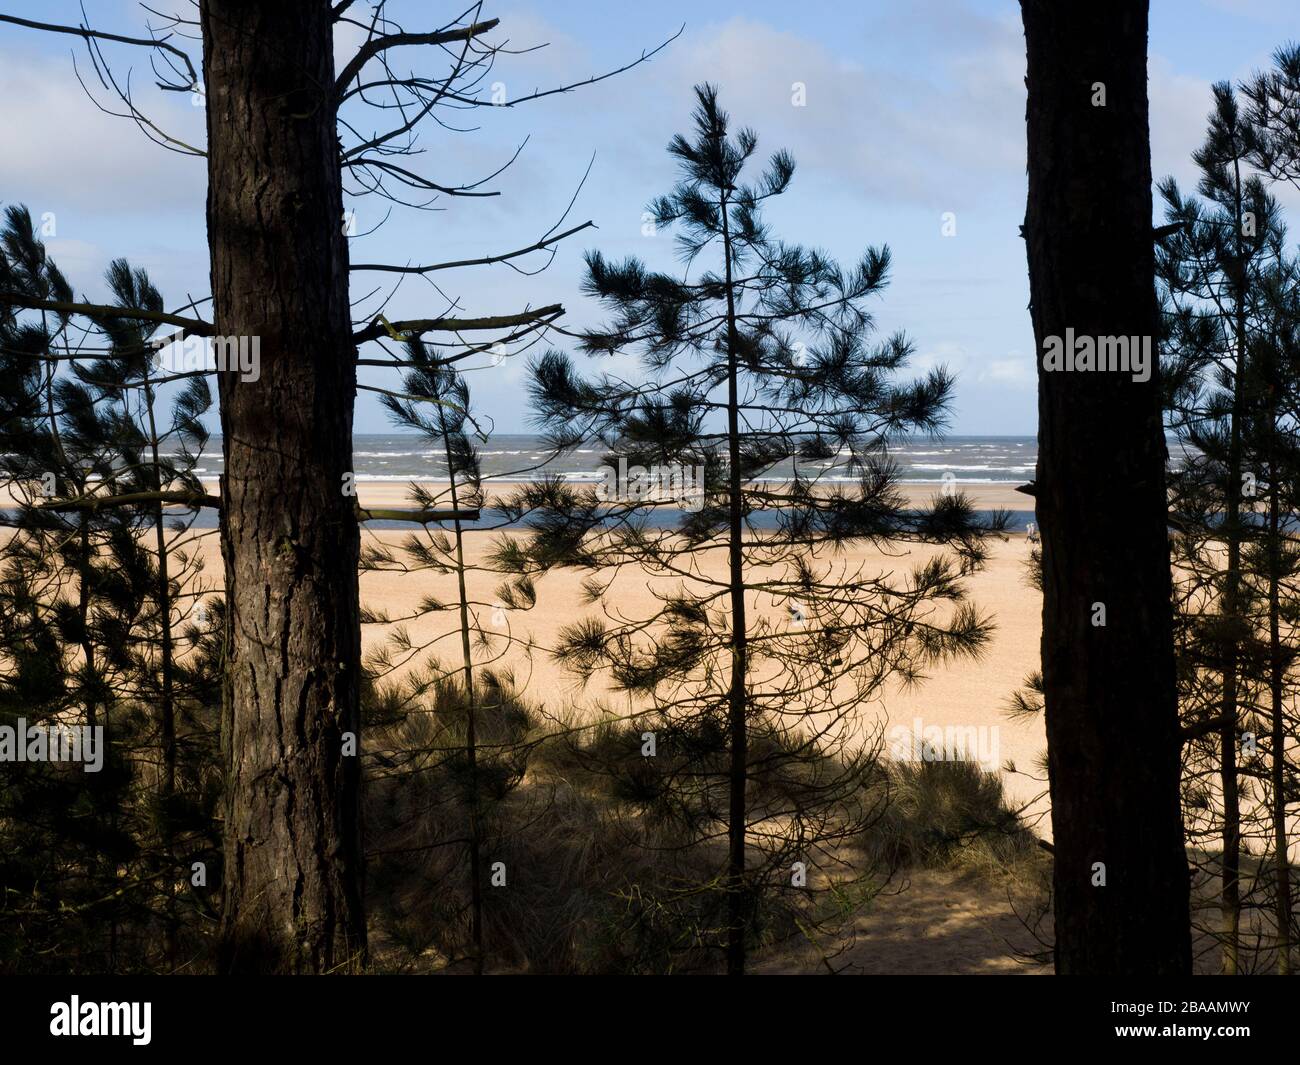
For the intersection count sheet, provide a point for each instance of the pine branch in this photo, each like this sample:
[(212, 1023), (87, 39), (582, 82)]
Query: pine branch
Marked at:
[(421, 516), (372, 48), (127, 499), (200, 499), (88, 34), (379, 327), (101, 310), (540, 245), (404, 330)]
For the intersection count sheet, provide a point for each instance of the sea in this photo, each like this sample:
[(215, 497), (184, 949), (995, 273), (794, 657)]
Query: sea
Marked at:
[(400, 458)]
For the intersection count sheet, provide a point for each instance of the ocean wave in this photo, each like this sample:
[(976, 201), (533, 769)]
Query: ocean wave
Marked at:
[(952, 467)]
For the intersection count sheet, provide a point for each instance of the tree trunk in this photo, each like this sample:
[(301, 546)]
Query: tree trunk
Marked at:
[(293, 873), (1230, 878), (471, 716), (1277, 738), (737, 702), (1111, 703), (167, 709)]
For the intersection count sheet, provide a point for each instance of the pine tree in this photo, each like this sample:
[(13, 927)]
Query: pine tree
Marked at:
[(1274, 104), (1216, 264), (278, 175), (1275, 447), (108, 618), (764, 420), (434, 402)]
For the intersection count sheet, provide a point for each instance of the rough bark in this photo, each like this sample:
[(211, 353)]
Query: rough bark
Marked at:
[(1277, 735), (737, 695), (167, 701), (1230, 879), (471, 720), (1111, 703), (293, 860)]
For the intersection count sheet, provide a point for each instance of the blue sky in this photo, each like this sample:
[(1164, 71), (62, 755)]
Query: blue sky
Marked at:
[(913, 110)]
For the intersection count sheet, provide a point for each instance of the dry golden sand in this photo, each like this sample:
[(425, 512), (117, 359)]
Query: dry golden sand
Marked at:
[(933, 922), (982, 496), (937, 922), (965, 694), (395, 494)]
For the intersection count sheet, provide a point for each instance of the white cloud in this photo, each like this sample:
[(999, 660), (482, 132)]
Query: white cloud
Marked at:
[(60, 152), (926, 135), (953, 357), (1179, 106), (1016, 372), (80, 261)]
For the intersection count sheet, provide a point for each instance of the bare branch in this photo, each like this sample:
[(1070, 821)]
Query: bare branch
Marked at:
[(374, 47), (415, 181), (418, 326), (146, 125), (102, 310), (540, 94), (200, 499), (469, 352), (86, 34), (539, 246), (127, 499), (421, 516)]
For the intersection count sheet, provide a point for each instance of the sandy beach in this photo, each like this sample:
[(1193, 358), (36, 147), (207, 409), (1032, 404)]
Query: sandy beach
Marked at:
[(389, 494), (965, 695), (982, 496), (965, 928)]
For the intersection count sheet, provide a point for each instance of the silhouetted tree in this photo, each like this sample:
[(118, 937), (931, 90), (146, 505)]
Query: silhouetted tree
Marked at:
[(1120, 876), (88, 457), (1274, 114), (766, 419), (435, 402), (278, 149), (1211, 266)]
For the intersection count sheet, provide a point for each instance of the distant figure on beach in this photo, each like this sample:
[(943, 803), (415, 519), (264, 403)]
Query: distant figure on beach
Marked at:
[(1031, 532)]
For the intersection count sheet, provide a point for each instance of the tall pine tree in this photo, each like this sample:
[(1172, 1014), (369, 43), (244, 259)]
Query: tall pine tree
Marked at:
[(754, 447)]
